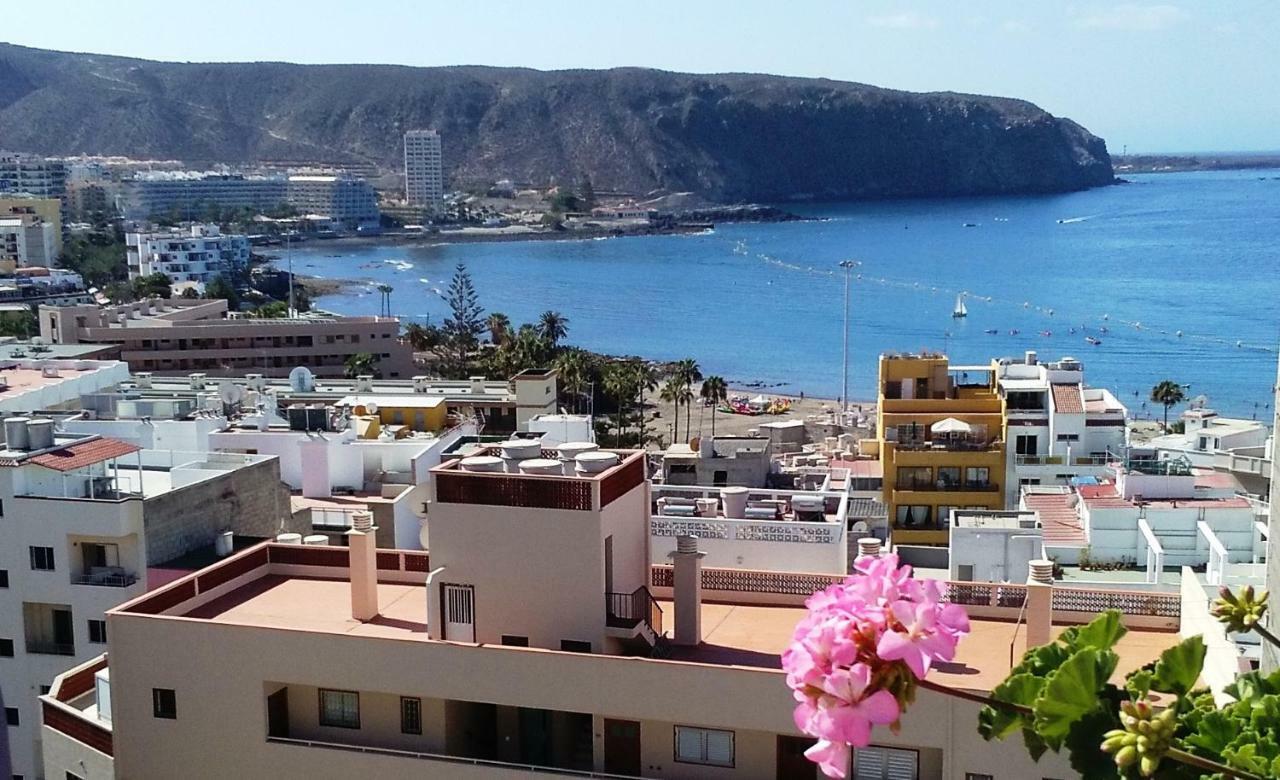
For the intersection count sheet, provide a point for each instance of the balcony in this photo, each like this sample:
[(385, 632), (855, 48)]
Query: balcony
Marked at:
[(1038, 460), (948, 487), (49, 647), (629, 610), (106, 577), (947, 445)]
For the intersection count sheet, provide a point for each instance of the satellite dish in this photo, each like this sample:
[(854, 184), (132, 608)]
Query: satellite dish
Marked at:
[(371, 407), (230, 393), (1200, 401), (301, 380)]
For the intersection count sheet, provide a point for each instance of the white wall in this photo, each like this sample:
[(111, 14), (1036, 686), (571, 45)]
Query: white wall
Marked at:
[(747, 544), (997, 555)]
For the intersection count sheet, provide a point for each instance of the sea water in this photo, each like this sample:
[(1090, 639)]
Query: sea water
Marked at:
[(1130, 265)]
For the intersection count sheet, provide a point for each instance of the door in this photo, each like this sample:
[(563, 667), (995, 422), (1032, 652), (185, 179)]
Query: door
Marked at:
[(608, 564), (459, 612), (1026, 444), (278, 714), (622, 747), (791, 760), (64, 634)]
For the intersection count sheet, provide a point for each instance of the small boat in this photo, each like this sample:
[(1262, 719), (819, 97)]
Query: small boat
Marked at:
[(971, 224), (960, 310), (991, 331), (1013, 331), (1046, 333), (1092, 340), (1239, 343), (1178, 334), (1103, 329)]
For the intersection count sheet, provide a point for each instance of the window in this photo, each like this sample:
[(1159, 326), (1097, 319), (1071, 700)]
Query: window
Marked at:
[(964, 572), (515, 641), (41, 558), (948, 477), (720, 478), (6, 648), (915, 478), (1068, 437), (877, 763), (910, 517), (164, 703), (1029, 481), (575, 646), (978, 776), (4, 578), (710, 747), (73, 777), (977, 476), (410, 715), (340, 709), (98, 631), (11, 716)]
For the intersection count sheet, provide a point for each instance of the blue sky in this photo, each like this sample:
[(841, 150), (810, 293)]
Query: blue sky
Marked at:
[(1155, 76)]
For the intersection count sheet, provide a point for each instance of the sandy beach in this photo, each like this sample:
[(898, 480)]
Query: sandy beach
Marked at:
[(659, 414)]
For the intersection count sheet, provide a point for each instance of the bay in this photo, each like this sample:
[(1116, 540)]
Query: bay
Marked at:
[(1192, 252)]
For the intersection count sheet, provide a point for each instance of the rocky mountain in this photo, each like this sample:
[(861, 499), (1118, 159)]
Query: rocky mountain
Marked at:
[(728, 137)]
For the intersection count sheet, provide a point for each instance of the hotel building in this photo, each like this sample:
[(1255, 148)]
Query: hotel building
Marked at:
[(191, 257), (423, 168)]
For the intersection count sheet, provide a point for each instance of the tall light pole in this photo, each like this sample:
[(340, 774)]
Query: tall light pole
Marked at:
[(847, 265)]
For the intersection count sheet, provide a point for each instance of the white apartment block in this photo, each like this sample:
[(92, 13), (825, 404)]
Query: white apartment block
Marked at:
[(27, 242), (520, 644), (32, 175), (347, 201), (195, 255), (1056, 427), (423, 168), (189, 193)]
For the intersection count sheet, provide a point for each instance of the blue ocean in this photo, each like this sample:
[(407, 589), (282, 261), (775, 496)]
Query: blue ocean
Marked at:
[(1177, 276)]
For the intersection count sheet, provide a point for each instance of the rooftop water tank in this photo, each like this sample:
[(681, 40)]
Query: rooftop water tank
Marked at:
[(15, 433), (541, 466), (521, 449), (572, 449), (40, 434), (595, 462), (289, 538), (482, 463)]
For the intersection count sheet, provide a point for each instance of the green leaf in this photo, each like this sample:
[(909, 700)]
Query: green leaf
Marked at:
[(996, 723), (1179, 666), (1101, 633), (1069, 694), (1084, 743), (1214, 732), (1042, 660), (1138, 682), (1035, 746)]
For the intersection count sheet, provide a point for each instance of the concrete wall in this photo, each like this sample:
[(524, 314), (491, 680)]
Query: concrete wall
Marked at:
[(250, 500), (996, 555), (744, 544)]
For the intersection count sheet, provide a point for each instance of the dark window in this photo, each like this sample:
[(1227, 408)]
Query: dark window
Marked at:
[(575, 646), (45, 689), (41, 558), (11, 716), (711, 747), (6, 648), (73, 777), (410, 715), (720, 478), (340, 709), (164, 703), (515, 641), (4, 578), (98, 631), (978, 776)]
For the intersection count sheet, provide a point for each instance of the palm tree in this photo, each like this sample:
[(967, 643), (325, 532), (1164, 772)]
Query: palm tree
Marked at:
[(686, 396), (421, 337), (499, 326), (1168, 393), (553, 326), (617, 383), (686, 373), (714, 390), (361, 363), (572, 372), (671, 394), (645, 376)]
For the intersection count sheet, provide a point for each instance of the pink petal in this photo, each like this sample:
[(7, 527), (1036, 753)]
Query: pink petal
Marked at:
[(831, 757), (880, 708)]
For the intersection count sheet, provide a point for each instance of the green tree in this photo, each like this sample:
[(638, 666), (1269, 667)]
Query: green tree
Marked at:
[(272, 311), (553, 326), (361, 363), (671, 393), (687, 372), (218, 288), (98, 257), (587, 193), (422, 336), (499, 326), (465, 322), (714, 390), (22, 325), (571, 370), (155, 285), (645, 376), (618, 382), (1168, 393)]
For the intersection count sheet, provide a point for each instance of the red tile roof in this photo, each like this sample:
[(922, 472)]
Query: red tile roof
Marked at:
[(1067, 399), (1060, 525), (860, 469), (78, 456)]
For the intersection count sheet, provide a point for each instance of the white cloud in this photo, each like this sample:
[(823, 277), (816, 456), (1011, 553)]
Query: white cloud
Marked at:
[(1132, 17), (1015, 26), (905, 20)]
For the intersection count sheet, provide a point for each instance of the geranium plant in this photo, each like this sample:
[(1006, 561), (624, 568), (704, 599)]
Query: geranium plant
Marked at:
[(867, 644)]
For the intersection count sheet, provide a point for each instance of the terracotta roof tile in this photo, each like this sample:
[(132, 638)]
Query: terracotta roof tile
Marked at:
[(78, 456), (1059, 523), (1067, 399)]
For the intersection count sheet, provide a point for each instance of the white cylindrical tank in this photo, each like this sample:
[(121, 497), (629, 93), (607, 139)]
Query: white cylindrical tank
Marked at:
[(570, 450), (521, 449), (315, 539), (734, 500), (595, 462), (15, 433), (289, 538), (224, 544), (482, 463), (541, 466), (40, 434)]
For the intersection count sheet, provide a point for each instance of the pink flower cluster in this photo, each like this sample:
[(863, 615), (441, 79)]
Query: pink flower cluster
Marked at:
[(854, 659)]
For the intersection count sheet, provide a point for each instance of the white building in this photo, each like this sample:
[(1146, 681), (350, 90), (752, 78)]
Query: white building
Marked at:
[(1206, 433), (344, 200), (33, 175), (190, 193), (196, 255), (993, 546), (1057, 428), (423, 168), (27, 242)]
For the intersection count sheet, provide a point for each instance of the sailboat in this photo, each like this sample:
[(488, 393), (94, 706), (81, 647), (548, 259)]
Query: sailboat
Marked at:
[(960, 310)]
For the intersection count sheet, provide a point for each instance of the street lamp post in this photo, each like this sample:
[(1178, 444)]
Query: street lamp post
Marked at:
[(847, 265)]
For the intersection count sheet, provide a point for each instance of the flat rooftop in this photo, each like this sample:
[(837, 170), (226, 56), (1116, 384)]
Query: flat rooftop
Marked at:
[(732, 634), (21, 380)]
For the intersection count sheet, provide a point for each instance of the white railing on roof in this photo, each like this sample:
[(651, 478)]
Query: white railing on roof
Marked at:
[(1217, 554), (1155, 552), (749, 530)]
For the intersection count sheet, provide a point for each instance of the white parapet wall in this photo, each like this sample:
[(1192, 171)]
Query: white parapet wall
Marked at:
[(784, 545)]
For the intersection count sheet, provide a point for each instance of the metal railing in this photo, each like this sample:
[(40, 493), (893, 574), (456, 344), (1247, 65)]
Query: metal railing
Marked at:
[(947, 487), (46, 647), (112, 580), (626, 610)]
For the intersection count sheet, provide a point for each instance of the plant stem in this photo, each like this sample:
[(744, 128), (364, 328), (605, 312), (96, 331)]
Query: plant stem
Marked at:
[(1265, 634), (974, 697), (1190, 759)]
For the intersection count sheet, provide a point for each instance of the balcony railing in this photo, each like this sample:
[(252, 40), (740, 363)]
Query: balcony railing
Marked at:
[(949, 487), (46, 647), (113, 579), (946, 445), (627, 610)]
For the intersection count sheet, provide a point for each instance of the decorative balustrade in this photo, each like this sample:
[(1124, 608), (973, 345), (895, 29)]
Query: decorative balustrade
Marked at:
[(1146, 603), (787, 531)]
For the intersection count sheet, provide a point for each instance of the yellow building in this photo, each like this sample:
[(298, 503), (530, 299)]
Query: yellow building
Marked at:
[(420, 413), (939, 435), (49, 210)]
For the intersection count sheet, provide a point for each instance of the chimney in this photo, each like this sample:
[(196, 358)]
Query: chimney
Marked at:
[(1040, 603), (869, 545), (364, 567), (1030, 357), (687, 591)]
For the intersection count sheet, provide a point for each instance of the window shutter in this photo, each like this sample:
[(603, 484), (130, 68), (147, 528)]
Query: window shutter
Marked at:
[(719, 747)]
